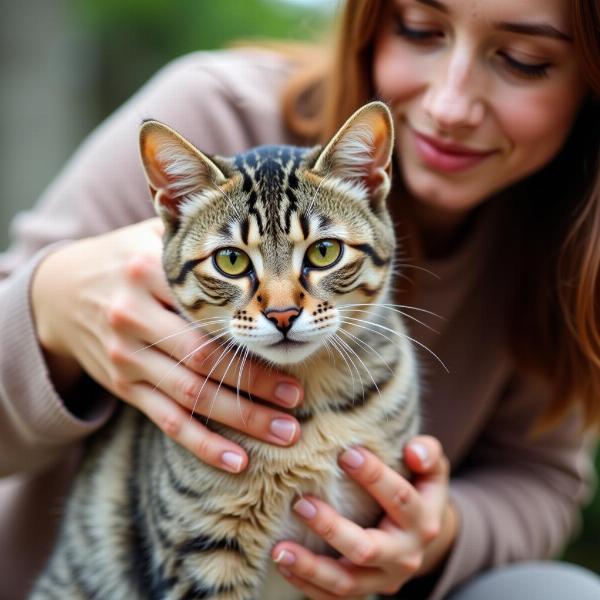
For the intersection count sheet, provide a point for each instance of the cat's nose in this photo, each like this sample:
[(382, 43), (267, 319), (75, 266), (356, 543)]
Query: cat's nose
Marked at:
[(283, 319)]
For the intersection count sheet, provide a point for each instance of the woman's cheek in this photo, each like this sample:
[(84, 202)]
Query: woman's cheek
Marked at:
[(535, 124), (397, 73)]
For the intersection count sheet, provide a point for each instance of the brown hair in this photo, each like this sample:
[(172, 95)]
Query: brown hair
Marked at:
[(556, 331)]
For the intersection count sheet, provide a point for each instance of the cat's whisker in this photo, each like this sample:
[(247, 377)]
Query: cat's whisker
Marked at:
[(212, 402), (420, 344), (391, 305), (189, 327), (338, 342), (370, 312), (207, 323), (367, 346), (189, 354), (335, 346), (207, 377), (239, 379), (389, 339), (227, 344), (418, 268), (328, 350), (350, 349)]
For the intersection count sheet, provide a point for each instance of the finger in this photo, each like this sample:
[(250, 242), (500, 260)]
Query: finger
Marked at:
[(324, 573), (187, 343), (332, 576), (209, 398), (144, 268), (349, 539), (311, 591), (209, 447), (425, 457), (398, 498), (250, 376), (423, 453)]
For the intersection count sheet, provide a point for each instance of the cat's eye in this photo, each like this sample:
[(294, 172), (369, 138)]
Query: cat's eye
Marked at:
[(232, 262), (323, 253)]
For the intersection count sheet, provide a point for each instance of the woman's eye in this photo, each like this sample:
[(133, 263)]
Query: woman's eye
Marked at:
[(526, 70), (232, 261), (416, 34), (323, 253)]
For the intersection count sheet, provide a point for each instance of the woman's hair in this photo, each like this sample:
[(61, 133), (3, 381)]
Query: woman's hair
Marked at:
[(554, 324)]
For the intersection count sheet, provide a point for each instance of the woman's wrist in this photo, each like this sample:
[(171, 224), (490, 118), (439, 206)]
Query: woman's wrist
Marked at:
[(439, 549), (63, 369)]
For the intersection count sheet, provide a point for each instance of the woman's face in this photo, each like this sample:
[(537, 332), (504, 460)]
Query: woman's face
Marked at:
[(484, 92)]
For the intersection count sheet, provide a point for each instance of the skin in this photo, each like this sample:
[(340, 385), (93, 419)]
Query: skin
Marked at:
[(454, 83), (460, 83), (455, 86)]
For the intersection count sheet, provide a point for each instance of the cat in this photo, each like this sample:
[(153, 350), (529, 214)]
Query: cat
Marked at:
[(294, 247)]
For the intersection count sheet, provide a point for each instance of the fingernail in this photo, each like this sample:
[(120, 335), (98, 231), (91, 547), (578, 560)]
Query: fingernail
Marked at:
[(288, 394), (352, 458), (285, 558), (283, 429), (232, 460), (305, 508), (421, 452)]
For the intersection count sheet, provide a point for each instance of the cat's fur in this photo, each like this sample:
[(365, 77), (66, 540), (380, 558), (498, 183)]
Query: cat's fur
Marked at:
[(147, 519)]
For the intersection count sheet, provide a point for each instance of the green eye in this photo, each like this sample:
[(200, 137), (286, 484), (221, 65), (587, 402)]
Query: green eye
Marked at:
[(323, 253), (232, 262)]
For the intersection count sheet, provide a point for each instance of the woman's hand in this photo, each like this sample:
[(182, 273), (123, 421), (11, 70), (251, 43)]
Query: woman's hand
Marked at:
[(103, 305), (415, 534)]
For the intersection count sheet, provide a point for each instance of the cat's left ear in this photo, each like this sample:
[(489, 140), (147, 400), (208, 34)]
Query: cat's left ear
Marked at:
[(175, 169), (361, 152)]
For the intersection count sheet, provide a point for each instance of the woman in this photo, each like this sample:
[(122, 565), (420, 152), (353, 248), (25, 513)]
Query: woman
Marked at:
[(498, 202)]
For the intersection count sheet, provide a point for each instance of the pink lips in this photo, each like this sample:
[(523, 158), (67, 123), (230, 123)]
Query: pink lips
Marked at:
[(447, 157)]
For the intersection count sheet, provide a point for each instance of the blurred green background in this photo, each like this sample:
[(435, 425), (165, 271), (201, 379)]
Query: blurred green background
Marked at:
[(66, 64)]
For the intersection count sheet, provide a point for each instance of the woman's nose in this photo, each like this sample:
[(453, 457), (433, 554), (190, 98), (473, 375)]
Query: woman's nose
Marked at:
[(454, 98)]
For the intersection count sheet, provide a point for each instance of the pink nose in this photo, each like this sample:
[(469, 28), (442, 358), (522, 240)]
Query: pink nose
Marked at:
[(282, 319)]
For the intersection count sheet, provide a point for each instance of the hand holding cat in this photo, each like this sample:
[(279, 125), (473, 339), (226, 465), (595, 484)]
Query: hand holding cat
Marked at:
[(413, 537), (103, 305)]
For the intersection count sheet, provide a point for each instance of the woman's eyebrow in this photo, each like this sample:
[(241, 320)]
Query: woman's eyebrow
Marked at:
[(435, 4), (541, 29)]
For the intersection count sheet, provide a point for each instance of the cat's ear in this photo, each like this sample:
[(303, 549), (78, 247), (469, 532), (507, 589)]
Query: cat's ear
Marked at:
[(361, 151), (174, 168)]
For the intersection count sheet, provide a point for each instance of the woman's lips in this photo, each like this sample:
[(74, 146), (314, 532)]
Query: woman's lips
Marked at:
[(444, 156)]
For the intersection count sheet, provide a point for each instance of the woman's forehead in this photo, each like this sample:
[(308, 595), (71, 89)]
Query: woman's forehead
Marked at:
[(490, 11)]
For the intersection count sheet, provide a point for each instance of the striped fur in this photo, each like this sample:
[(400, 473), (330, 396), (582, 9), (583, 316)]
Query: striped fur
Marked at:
[(146, 519)]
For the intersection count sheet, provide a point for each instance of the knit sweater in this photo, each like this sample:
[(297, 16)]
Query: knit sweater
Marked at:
[(517, 495)]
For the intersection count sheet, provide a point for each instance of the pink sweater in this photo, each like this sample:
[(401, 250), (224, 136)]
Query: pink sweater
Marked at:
[(517, 496)]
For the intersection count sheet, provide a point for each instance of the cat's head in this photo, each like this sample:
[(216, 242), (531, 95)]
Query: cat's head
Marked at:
[(269, 246)]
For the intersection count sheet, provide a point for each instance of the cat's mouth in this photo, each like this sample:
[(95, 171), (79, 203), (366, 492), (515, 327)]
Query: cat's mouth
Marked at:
[(287, 343), (287, 351)]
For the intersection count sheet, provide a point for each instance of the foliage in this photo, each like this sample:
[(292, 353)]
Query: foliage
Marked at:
[(131, 39)]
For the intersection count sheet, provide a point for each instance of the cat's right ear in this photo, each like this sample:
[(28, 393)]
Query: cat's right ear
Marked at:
[(175, 169)]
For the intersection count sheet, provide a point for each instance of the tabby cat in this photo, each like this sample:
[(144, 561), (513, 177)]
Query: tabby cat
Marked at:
[(292, 249)]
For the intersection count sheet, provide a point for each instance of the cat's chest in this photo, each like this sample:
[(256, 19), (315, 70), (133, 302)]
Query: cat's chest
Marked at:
[(311, 467)]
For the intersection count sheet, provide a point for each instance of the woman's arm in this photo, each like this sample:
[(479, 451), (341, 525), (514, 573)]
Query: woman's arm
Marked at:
[(102, 189), (519, 494)]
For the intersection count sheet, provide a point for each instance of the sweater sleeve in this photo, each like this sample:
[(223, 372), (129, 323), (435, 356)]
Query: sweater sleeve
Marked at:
[(216, 100), (519, 495)]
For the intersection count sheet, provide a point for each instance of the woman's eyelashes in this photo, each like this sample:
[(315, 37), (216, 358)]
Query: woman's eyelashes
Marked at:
[(527, 70), (428, 36), (417, 34)]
